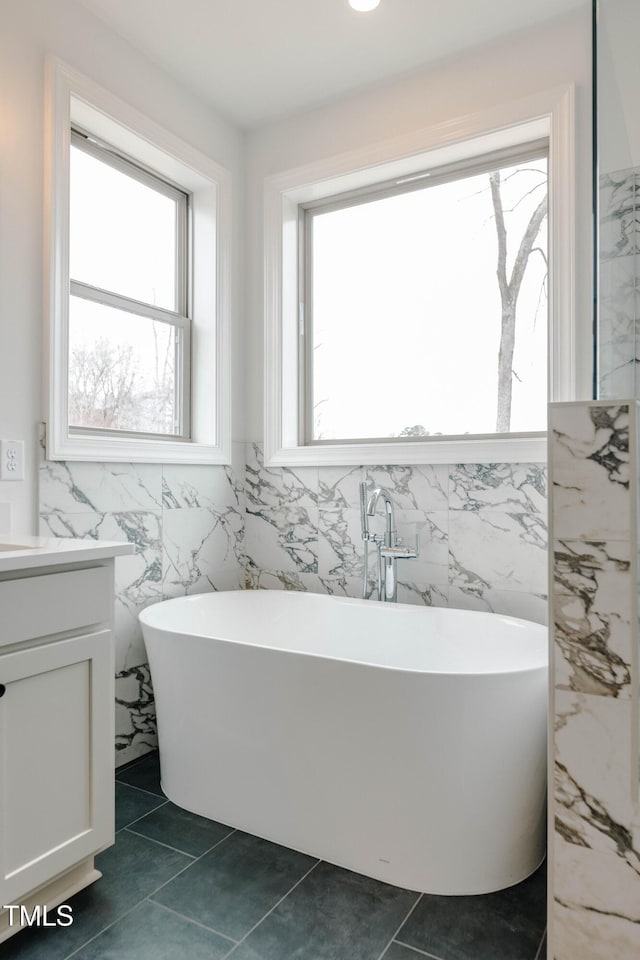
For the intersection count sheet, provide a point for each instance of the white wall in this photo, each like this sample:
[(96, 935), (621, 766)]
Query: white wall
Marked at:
[(618, 85), (507, 70), (30, 30)]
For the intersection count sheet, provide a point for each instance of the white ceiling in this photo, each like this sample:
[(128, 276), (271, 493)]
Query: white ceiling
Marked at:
[(256, 60)]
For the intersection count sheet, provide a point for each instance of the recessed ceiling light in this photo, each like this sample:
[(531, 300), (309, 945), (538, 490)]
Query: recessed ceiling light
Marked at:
[(364, 5)]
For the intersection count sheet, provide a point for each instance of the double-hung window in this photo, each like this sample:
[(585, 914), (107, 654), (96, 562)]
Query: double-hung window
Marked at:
[(419, 294), (425, 304), (138, 332), (129, 324)]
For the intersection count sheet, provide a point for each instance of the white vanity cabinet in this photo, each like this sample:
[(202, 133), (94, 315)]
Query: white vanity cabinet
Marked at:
[(56, 721)]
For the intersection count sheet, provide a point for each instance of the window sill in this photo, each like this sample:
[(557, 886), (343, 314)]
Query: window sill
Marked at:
[(136, 450), (515, 448)]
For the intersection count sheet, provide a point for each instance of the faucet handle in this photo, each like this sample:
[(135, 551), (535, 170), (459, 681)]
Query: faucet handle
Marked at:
[(400, 552)]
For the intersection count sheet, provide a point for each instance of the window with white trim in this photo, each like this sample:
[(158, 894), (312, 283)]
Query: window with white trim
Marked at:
[(138, 359), (129, 325), (424, 304)]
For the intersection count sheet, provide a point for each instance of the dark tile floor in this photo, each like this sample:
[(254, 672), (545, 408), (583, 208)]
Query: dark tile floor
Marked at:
[(178, 887)]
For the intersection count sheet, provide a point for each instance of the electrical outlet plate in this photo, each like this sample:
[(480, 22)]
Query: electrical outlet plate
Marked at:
[(11, 459)]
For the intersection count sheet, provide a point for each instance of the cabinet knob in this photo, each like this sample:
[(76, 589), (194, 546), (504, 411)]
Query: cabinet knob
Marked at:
[(2, 689)]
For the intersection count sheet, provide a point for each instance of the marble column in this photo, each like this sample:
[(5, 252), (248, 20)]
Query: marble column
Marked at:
[(595, 823)]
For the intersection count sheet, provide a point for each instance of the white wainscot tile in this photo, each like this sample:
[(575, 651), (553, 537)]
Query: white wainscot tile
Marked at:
[(617, 223), (512, 488), (596, 912), (339, 488), (422, 593), (493, 550), (137, 527), (275, 487), (200, 547), (99, 487), (423, 487), (508, 603), (282, 540), (256, 579), (592, 598), (135, 714), (340, 544), (590, 460), (199, 485), (617, 299), (618, 368), (138, 583), (593, 745), (431, 529)]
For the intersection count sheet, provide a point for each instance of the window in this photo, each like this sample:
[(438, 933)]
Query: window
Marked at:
[(425, 304), (129, 330), (138, 335), (387, 274)]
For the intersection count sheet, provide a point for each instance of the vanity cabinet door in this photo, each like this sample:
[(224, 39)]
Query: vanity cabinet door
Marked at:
[(56, 766)]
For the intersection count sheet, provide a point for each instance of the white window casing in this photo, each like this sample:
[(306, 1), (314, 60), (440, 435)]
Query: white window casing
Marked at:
[(547, 115), (73, 99)]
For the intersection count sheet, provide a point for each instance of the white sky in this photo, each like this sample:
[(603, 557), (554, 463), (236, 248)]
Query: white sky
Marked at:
[(407, 314)]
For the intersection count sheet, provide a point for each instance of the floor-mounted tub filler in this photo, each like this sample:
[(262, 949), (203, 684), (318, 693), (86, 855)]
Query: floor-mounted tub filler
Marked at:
[(406, 743)]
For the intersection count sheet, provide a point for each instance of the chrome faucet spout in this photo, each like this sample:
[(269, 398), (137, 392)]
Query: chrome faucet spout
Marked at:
[(389, 540), (389, 547)]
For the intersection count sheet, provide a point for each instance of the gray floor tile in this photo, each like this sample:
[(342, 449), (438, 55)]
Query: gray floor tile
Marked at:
[(231, 888), (542, 949), (398, 951), (506, 925), (131, 804), (152, 933), (144, 774), (182, 830), (132, 869), (333, 914)]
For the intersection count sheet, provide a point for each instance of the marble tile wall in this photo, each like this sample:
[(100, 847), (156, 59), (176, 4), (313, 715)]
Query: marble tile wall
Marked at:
[(594, 604), (618, 296), (187, 524), (481, 527)]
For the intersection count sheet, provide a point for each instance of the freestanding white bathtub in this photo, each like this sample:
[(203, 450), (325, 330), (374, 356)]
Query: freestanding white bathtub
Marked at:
[(406, 743)]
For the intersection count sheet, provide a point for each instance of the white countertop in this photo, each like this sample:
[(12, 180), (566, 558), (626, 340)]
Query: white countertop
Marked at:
[(23, 553)]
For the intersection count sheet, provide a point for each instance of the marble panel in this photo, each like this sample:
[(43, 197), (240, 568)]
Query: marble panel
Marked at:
[(593, 791), (592, 605), (282, 540), (135, 714), (618, 229), (617, 291), (423, 487), (69, 487), (340, 544), (596, 910), (618, 368), (199, 485), (425, 594), (202, 548), (276, 487), (509, 487), (495, 550), (508, 603), (590, 471), (339, 488)]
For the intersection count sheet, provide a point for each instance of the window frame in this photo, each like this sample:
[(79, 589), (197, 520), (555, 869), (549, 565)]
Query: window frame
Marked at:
[(546, 115), (534, 150), (178, 318), (73, 100)]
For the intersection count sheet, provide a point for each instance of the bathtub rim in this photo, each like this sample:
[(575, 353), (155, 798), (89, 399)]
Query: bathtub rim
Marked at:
[(147, 615)]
